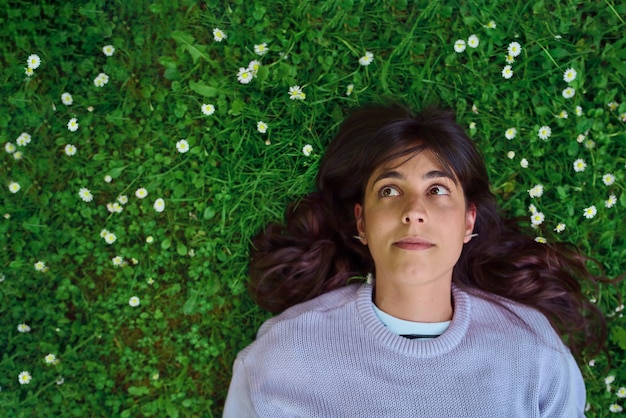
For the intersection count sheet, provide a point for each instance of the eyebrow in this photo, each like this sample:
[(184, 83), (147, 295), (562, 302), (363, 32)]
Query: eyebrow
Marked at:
[(392, 174)]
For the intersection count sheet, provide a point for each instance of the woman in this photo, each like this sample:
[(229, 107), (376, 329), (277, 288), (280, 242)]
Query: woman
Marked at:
[(461, 315)]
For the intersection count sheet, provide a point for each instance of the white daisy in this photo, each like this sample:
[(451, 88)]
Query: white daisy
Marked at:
[(141, 193), (349, 89), (611, 201), (590, 144), (114, 207), (72, 125), (507, 72), (134, 301), (569, 92), (608, 179), (85, 194), (514, 49), (182, 146), (560, 227), (579, 111), (261, 49), (24, 378), (253, 67), (14, 187), (537, 218), (101, 79), (24, 139), (296, 93), (366, 59), (307, 150), (67, 99), (33, 61), (536, 191), (459, 46), (524, 163), (70, 149), (261, 126), (580, 165), (510, 133), (110, 238), (244, 75), (159, 205), (208, 109), (569, 75), (590, 212), (23, 328), (108, 50), (219, 35), (473, 41), (544, 132), (10, 148)]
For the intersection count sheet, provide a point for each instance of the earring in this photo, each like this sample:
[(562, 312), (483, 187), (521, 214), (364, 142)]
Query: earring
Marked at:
[(471, 235), (359, 237)]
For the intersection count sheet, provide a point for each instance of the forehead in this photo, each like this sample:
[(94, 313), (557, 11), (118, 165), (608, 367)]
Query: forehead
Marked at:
[(424, 160)]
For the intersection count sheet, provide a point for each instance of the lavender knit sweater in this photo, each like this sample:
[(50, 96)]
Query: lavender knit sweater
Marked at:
[(332, 357)]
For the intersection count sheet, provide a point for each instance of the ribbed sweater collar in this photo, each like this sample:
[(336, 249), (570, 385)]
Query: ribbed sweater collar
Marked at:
[(443, 344)]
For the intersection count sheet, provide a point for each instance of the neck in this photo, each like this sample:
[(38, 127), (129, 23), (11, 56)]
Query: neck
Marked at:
[(417, 303)]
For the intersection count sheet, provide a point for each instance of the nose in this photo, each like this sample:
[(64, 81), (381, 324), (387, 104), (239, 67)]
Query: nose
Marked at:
[(414, 212)]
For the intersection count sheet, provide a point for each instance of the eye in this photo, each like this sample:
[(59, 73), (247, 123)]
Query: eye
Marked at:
[(438, 190), (388, 191)]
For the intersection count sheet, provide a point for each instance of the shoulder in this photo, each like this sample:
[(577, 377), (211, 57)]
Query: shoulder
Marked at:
[(305, 320), (513, 319)]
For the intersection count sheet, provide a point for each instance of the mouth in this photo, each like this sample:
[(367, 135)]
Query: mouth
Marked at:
[(414, 244)]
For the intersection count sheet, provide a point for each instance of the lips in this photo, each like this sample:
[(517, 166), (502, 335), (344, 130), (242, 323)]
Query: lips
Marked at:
[(414, 244)]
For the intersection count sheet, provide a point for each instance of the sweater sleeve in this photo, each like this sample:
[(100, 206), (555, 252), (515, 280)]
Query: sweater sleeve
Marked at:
[(239, 399), (564, 394)]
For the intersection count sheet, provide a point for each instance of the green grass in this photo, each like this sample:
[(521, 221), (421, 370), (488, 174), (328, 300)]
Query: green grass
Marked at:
[(172, 354)]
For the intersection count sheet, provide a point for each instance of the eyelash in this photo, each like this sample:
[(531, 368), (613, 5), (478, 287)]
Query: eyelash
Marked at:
[(382, 191), (440, 186), (430, 189)]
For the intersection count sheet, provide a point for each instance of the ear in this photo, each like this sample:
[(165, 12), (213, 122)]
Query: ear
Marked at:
[(360, 222), (470, 221)]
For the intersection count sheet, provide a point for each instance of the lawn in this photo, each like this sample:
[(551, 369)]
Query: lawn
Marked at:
[(147, 142)]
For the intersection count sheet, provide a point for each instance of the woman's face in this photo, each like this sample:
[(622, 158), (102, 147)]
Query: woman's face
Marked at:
[(415, 220)]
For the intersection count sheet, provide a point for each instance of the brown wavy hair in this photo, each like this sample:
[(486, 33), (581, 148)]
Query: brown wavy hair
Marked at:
[(314, 251)]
